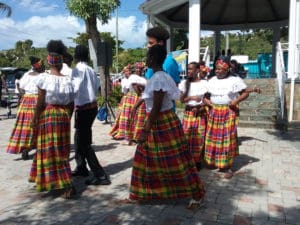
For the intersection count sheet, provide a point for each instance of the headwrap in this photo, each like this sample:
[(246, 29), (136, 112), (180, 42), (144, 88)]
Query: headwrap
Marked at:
[(54, 60), (204, 69), (139, 65), (222, 63), (37, 65)]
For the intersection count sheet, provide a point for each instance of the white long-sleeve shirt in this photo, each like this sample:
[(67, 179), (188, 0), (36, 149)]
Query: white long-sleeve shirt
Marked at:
[(86, 84)]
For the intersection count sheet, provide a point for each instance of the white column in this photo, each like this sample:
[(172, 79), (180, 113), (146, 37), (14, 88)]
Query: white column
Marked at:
[(194, 30), (276, 38), (294, 50), (292, 41), (297, 33), (217, 40)]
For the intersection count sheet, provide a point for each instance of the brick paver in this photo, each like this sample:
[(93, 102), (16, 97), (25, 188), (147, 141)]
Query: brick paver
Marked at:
[(264, 190)]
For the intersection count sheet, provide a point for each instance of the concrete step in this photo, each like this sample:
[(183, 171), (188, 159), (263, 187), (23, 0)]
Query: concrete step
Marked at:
[(257, 118), (259, 111), (259, 105), (262, 124)]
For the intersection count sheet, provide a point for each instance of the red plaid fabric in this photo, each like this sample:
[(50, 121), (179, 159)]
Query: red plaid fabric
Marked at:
[(194, 127), (50, 168), (221, 137), (122, 128), (138, 122), (23, 137), (163, 167)]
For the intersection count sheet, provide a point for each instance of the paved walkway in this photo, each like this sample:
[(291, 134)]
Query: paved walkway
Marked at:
[(264, 191)]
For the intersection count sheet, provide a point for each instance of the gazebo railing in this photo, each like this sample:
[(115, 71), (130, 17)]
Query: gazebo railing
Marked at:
[(281, 75), (205, 55)]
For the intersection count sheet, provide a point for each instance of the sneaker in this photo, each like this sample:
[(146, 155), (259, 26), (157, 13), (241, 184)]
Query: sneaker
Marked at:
[(104, 180)]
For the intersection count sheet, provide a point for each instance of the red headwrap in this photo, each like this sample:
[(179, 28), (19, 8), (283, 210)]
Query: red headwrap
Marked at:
[(54, 60), (204, 69), (38, 64), (222, 63)]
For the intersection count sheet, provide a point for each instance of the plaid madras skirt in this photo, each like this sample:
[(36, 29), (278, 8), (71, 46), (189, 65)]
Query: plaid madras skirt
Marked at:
[(194, 127), (50, 168), (138, 122), (23, 137), (221, 137), (122, 128), (163, 167)]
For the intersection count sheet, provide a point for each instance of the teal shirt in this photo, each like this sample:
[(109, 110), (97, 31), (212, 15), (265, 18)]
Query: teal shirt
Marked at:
[(170, 66)]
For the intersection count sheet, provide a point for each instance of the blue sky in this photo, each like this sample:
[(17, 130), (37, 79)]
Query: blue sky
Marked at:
[(42, 20)]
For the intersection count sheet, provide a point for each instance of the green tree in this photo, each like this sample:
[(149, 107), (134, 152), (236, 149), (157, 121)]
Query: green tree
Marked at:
[(180, 39), (90, 11), (4, 8), (82, 39), (131, 56)]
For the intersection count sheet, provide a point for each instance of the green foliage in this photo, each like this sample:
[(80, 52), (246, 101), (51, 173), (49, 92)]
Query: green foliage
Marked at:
[(180, 39), (82, 39), (87, 8), (114, 98), (131, 56), (241, 44)]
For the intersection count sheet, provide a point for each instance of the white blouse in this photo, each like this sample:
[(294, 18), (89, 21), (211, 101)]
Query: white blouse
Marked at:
[(124, 85), (136, 79), (223, 91), (59, 89), (29, 82), (160, 81), (196, 89)]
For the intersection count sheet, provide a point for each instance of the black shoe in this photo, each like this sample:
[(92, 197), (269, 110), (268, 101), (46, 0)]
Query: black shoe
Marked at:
[(104, 180), (80, 173), (25, 155), (199, 166)]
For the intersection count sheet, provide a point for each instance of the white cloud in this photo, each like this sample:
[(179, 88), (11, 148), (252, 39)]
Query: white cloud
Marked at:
[(39, 29), (129, 29), (42, 29), (35, 6)]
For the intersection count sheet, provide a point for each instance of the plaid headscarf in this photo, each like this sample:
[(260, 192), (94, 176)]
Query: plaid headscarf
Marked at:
[(204, 69), (54, 59), (222, 63), (38, 64)]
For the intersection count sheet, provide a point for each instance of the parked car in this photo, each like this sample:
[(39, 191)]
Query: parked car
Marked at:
[(10, 75)]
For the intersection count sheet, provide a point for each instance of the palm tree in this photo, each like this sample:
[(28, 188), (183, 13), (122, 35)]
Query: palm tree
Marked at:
[(5, 8)]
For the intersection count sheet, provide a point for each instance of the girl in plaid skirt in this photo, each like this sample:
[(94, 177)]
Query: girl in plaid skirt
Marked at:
[(23, 137), (138, 113), (194, 119), (122, 129), (50, 169), (163, 167), (225, 92)]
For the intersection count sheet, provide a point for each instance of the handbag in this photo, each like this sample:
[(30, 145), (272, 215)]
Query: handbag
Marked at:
[(102, 113)]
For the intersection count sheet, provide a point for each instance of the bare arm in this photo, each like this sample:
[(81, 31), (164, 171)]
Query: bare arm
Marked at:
[(157, 104), (254, 89), (243, 95), (39, 107)]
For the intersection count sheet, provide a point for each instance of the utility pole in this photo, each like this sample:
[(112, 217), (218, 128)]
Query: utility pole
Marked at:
[(117, 41)]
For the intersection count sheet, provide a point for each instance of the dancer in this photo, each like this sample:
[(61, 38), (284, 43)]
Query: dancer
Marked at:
[(86, 110), (122, 127), (163, 167), (50, 168), (138, 113), (159, 36), (194, 119), (226, 92), (23, 137)]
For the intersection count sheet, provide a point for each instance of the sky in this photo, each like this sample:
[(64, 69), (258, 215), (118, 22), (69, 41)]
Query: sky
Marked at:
[(43, 20)]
